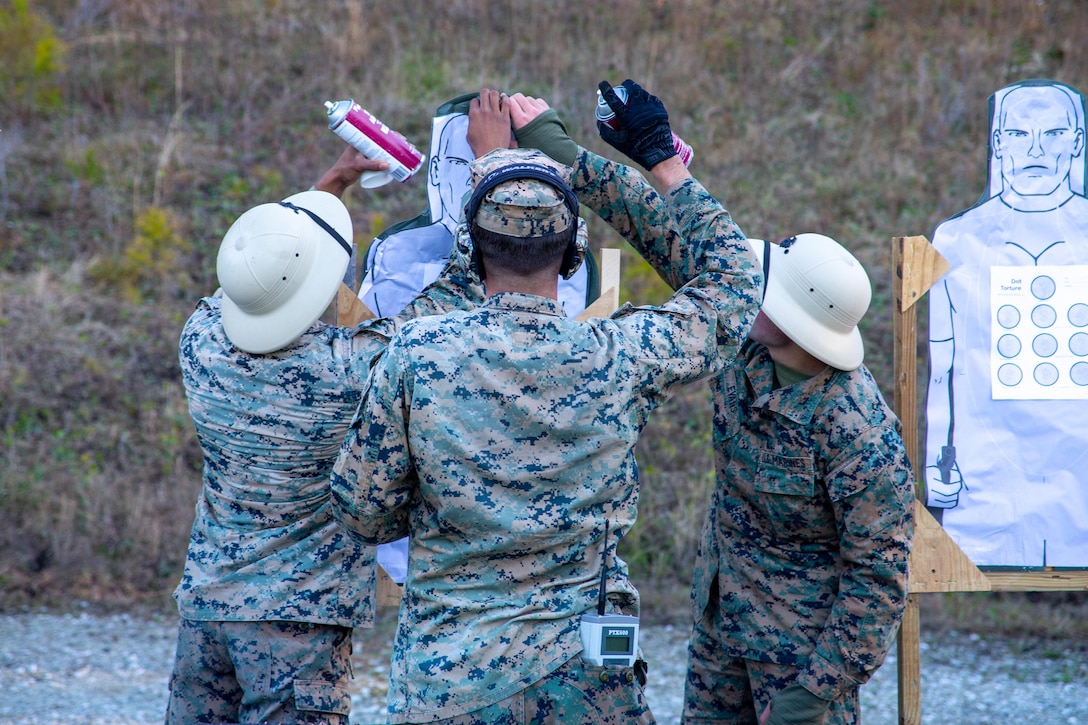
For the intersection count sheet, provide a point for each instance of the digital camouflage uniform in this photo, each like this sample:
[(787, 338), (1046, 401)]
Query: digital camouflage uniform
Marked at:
[(808, 535), (272, 584), (803, 559), (506, 435)]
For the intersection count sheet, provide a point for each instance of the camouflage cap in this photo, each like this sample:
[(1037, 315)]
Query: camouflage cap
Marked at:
[(522, 207)]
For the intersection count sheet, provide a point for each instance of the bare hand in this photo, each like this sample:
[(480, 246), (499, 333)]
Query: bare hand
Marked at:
[(766, 715), (489, 123), (346, 171), (524, 109), (670, 171)]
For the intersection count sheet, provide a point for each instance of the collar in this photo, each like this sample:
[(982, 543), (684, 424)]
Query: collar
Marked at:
[(798, 402), (524, 303)]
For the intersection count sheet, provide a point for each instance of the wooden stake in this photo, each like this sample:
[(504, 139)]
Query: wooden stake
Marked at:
[(917, 267), (609, 299), (350, 310)]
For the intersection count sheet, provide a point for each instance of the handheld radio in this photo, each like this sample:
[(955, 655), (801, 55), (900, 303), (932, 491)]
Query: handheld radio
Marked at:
[(608, 640)]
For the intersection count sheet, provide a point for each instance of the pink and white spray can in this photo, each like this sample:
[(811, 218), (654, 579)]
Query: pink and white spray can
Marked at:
[(359, 127), (607, 116)]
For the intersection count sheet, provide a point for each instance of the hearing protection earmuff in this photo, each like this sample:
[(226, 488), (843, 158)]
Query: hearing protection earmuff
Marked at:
[(575, 252)]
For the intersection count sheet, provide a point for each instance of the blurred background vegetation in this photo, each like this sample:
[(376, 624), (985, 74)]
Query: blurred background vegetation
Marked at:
[(133, 132)]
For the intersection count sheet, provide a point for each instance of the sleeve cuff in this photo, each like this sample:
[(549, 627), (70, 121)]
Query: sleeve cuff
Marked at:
[(547, 133), (824, 680)]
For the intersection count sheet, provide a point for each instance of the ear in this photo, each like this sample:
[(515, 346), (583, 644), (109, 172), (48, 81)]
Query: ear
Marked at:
[(433, 172)]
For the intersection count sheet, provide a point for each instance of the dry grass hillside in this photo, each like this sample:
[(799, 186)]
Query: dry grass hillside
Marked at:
[(134, 132)]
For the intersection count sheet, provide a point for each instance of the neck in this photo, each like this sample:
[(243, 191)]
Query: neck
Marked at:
[(1042, 202), (793, 356), (545, 284)]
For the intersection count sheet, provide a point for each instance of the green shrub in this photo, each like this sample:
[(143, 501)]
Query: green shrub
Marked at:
[(31, 61), (152, 265)]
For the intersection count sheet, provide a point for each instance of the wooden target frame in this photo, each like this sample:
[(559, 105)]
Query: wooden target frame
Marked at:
[(937, 564)]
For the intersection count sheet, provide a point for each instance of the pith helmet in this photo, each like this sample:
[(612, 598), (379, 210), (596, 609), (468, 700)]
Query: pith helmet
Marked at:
[(279, 268), (816, 293)]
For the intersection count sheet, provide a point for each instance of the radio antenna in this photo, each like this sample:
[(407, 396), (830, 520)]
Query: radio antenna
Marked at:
[(604, 569)]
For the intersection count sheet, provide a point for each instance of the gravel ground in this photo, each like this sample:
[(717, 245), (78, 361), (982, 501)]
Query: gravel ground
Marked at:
[(112, 670)]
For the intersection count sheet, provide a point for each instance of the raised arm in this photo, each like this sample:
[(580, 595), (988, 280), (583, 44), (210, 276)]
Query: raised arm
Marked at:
[(618, 193), (346, 171)]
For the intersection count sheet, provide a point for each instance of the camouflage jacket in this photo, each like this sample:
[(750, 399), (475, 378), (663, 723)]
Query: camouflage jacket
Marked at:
[(507, 436), (809, 529), (810, 524), (264, 543)]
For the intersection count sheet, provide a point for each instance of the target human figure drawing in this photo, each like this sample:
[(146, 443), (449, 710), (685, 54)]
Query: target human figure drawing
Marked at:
[(1007, 440), (409, 255)]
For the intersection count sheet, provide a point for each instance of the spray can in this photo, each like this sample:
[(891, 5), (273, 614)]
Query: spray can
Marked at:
[(607, 116), (359, 127)]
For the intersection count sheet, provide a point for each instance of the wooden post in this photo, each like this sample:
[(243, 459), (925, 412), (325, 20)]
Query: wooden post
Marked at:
[(905, 371), (350, 311), (909, 665), (933, 562), (609, 298)]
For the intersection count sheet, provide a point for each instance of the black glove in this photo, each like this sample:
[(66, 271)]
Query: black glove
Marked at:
[(644, 133)]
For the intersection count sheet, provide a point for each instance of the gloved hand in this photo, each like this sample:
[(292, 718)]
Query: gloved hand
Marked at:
[(796, 706), (644, 133)]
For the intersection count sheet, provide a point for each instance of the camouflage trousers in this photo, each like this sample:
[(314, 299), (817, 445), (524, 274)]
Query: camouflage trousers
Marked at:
[(575, 694), (249, 672), (721, 689)]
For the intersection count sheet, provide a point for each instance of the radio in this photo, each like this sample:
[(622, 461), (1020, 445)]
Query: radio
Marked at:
[(608, 640)]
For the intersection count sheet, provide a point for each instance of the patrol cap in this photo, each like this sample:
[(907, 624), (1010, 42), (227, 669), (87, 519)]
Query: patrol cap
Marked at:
[(522, 207), (280, 265), (816, 293)]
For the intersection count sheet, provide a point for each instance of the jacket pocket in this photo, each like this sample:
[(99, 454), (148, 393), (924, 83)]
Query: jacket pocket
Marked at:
[(785, 492)]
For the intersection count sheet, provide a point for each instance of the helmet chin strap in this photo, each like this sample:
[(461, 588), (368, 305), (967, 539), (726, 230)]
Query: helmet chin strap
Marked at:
[(321, 223), (766, 267)]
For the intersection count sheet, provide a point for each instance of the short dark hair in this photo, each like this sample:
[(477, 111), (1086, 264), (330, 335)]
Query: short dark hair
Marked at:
[(521, 255)]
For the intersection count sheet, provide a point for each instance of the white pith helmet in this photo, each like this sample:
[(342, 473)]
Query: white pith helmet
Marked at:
[(280, 269), (816, 293)]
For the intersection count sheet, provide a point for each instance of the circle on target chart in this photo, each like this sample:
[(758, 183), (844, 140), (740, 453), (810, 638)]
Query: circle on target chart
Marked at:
[(1078, 344), (1009, 346), (1078, 315), (1043, 287), (1008, 316), (1079, 373), (1010, 374), (1045, 374), (1044, 316), (1044, 345)]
